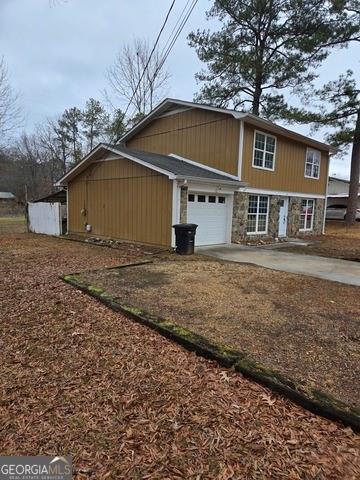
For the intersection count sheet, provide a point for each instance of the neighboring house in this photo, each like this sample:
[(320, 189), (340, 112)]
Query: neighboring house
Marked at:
[(338, 192), (234, 174), (7, 197), (8, 204)]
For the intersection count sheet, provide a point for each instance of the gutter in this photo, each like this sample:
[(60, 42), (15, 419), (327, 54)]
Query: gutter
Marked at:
[(235, 183)]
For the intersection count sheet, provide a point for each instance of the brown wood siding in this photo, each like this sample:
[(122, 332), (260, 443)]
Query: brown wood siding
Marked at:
[(123, 200), (289, 167), (203, 136)]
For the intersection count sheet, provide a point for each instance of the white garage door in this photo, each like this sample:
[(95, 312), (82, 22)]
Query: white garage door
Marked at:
[(209, 212)]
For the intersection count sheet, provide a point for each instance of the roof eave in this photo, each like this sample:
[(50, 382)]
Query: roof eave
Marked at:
[(63, 181), (274, 128), (168, 101), (235, 183)]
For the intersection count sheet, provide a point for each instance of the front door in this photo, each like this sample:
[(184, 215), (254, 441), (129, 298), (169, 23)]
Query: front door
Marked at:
[(283, 215)]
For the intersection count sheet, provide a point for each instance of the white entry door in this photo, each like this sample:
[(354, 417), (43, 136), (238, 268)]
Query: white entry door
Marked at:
[(210, 213), (283, 216)]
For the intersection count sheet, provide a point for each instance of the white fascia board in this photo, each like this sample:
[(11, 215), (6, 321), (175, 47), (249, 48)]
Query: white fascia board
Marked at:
[(144, 121), (63, 180), (204, 167), (212, 181), (174, 112), (241, 147), (278, 129), (87, 159), (280, 193), (234, 113), (142, 162), (173, 101), (194, 186), (340, 195)]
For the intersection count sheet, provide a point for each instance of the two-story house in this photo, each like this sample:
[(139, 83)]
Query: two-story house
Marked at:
[(234, 174)]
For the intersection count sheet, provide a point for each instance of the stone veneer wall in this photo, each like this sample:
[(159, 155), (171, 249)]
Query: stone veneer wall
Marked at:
[(183, 204), (319, 216), (294, 217), (240, 209)]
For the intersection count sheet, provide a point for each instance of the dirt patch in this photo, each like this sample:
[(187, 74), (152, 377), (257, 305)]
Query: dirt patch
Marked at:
[(338, 242), (126, 403), (289, 323)]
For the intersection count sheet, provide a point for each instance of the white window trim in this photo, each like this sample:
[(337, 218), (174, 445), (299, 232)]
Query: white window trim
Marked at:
[(257, 218), (312, 217), (310, 176), (253, 153)]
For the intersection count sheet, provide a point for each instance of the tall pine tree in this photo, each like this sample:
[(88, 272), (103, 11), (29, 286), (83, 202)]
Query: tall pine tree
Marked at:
[(267, 46), (336, 106)]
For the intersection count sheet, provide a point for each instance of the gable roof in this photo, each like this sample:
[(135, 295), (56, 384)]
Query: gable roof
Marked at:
[(59, 197), (338, 179), (169, 165), (7, 196), (173, 105)]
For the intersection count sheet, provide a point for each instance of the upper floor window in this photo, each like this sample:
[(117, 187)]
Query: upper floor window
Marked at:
[(312, 164), (264, 151)]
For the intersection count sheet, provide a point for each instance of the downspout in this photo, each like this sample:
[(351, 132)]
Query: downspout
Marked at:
[(326, 194), (67, 209)]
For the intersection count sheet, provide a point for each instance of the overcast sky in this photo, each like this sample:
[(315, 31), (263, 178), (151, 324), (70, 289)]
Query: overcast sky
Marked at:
[(58, 51)]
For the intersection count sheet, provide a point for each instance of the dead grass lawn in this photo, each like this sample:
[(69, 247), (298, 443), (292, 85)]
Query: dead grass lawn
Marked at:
[(306, 328), (12, 225), (79, 379), (338, 242)]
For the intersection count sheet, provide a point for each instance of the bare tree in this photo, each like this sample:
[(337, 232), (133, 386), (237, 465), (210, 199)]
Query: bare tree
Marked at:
[(9, 107), (127, 81)]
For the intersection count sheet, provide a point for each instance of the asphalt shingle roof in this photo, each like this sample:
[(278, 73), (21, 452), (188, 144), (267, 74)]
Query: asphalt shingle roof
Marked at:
[(172, 164)]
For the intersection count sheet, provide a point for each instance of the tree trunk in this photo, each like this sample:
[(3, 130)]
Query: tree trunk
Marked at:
[(354, 176), (256, 101)]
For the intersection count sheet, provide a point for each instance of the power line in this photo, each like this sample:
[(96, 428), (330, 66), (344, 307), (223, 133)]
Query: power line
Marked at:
[(183, 18), (174, 36), (173, 30), (150, 56)]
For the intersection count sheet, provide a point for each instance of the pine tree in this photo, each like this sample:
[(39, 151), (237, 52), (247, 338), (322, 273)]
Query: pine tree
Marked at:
[(70, 126), (267, 46), (117, 126), (95, 121), (336, 106)]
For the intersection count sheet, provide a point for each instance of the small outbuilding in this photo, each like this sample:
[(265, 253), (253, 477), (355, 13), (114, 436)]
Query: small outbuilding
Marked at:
[(9, 204), (338, 192)]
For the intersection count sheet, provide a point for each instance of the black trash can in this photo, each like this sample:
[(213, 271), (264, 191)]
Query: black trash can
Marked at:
[(185, 238)]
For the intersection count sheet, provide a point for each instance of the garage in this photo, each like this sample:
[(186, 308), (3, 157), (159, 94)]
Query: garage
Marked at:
[(210, 212), (137, 196)]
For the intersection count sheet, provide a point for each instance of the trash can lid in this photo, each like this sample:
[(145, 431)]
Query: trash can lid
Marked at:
[(185, 225)]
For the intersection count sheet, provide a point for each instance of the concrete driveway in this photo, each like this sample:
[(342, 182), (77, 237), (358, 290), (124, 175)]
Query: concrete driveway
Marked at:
[(331, 269)]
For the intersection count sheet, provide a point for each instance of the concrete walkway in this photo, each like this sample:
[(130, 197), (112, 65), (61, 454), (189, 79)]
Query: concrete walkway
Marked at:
[(332, 269)]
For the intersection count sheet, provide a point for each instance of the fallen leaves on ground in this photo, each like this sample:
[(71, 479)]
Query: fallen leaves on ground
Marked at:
[(79, 379)]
